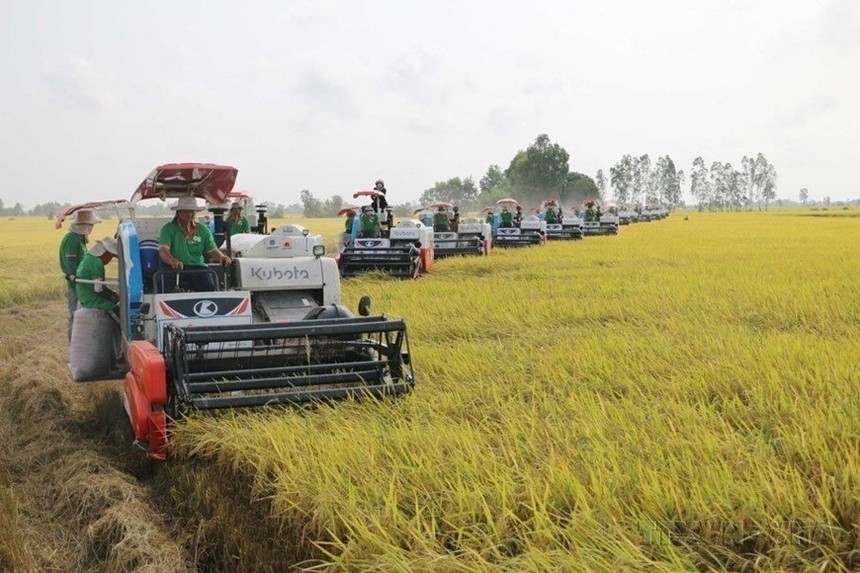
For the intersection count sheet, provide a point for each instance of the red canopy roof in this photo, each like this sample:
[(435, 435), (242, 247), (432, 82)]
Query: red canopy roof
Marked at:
[(367, 193), (207, 181)]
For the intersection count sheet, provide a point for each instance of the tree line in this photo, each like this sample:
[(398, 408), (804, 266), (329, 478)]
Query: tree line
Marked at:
[(541, 171)]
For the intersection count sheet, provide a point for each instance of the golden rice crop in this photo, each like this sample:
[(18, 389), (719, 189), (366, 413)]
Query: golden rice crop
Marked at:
[(684, 395)]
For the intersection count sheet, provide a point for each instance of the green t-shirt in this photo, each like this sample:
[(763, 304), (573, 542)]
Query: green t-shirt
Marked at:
[(506, 217), (233, 227), (491, 219), (91, 268), (188, 251), (550, 216), (72, 252), (440, 220), (370, 226)]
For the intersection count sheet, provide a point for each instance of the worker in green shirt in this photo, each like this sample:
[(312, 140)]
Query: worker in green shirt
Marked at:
[(72, 251), (92, 293), (507, 219), (369, 224), (92, 268), (182, 245), (235, 222), (551, 216), (440, 221)]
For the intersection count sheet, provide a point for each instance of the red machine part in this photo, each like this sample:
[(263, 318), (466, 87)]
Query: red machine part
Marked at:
[(427, 255), (146, 396)]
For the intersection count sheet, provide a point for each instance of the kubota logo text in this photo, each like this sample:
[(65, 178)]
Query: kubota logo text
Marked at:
[(277, 274)]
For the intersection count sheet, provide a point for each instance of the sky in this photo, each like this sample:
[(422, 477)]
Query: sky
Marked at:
[(331, 95)]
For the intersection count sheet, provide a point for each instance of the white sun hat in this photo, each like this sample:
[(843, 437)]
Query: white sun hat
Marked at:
[(187, 203)]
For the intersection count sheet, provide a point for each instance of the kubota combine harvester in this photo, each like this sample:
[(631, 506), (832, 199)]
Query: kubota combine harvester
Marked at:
[(528, 230), (458, 237), (558, 224), (403, 250), (599, 220), (273, 332)]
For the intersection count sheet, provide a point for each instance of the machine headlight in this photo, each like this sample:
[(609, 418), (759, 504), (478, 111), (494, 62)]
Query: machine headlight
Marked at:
[(319, 250)]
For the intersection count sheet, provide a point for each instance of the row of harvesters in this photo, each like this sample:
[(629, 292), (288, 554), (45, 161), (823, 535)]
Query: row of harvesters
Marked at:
[(409, 248)]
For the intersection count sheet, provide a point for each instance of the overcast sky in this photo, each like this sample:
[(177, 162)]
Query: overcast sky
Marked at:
[(329, 96)]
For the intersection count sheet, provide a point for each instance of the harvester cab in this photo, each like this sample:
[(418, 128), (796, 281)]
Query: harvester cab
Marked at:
[(403, 250), (273, 331), (469, 237), (564, 225)]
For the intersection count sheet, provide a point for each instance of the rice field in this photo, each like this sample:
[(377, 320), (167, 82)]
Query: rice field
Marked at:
[(684, 396)]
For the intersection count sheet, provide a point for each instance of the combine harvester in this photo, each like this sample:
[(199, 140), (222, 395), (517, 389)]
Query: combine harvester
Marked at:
[(626, 215), (403, 250), (562, 227), (467, 237), (530, 230), (597, 222), (273, 332)]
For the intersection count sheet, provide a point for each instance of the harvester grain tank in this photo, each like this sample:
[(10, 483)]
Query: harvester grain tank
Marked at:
[(273, 332)]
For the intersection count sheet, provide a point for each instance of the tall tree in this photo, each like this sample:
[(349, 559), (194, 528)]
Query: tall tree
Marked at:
[(769, 191), (578, 188), (667, 187), (700, 184), (600, 181), (311, 206), (540, 171), (748, 181), (493, 179), (494, 185), (804, 196), (763, 177), (680, 180), (646, 179), (621, 178)]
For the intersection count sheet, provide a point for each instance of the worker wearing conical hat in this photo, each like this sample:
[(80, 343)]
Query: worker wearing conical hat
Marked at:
[(72, 251)]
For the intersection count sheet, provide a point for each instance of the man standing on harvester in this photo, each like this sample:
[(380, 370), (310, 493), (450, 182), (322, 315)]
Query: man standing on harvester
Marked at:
[(72, 251)]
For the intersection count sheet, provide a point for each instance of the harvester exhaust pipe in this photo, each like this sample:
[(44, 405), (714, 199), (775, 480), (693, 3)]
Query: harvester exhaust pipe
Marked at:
[(262, 220)]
